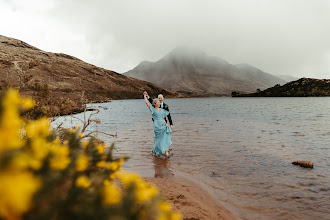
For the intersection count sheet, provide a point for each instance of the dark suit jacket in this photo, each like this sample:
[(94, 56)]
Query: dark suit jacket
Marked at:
[(165, 106)]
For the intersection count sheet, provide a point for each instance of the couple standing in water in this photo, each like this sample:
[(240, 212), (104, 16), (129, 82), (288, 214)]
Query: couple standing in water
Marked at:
[(162, 132)]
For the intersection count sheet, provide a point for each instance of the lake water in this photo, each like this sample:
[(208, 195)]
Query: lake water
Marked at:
[(239, 149)]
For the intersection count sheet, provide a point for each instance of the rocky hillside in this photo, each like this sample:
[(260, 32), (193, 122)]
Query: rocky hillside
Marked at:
[(299, 88), (192, 71), (62, 83)]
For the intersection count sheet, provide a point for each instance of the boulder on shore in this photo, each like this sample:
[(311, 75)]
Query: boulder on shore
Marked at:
[(306, 164)]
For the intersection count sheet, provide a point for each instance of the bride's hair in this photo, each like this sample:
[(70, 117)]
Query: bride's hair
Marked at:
[(154, 101)]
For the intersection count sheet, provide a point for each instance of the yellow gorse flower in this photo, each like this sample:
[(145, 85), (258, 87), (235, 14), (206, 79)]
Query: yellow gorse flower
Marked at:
[(101, 164), (100, 149), (128, 178), (73, 130), (164, 206), (39, 147), (39, 128), (20, 162), (16, 191), (82, 163), (169, 216), (112, 176), (84, 144), (11, 123), (83, 182), (60, 157), (111, 193), (56, 141), (143, 192), (27, 103), (116, 165)]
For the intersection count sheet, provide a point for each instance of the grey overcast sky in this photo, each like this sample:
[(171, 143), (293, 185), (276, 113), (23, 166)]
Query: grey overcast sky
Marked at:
[(281, 37)]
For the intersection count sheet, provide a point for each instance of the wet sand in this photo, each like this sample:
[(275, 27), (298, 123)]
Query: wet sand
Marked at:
[(186, 196), (189, 199)]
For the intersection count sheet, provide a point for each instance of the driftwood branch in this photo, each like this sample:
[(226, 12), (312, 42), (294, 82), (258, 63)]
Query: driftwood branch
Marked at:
[(87, 135), (88, 121)]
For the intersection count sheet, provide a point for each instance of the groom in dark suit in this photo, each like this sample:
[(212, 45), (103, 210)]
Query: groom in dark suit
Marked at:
[(164, 106)]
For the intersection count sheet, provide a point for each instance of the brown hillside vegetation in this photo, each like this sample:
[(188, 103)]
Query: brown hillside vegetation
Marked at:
[(60, 83)]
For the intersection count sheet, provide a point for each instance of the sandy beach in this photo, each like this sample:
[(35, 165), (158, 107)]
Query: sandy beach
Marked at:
[(190, 199)]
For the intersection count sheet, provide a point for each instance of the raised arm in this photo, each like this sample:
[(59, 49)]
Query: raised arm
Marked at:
[(146, 99)]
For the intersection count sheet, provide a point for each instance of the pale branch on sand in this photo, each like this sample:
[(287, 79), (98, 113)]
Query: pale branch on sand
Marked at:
[(87, 135)]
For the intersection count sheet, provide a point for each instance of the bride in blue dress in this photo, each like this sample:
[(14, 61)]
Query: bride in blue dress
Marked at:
[(162, 132)]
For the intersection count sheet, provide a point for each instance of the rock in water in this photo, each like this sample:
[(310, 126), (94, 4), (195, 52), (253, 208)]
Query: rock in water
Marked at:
[(306, 164)]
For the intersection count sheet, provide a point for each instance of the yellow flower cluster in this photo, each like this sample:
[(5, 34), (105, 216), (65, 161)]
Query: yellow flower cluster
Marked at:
[(143, 191), (16, 191), (40, 168), (82, 163), (17, 183), (115, 166), (100, 148), (11, 123), (111, 193), (83, 182), (60, 159)]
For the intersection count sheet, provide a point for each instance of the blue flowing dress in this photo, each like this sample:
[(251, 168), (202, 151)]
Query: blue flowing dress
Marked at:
[(162, 134)]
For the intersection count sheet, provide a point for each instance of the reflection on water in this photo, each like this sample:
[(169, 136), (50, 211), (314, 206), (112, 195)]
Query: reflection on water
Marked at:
[(161, 167), (241, 149)]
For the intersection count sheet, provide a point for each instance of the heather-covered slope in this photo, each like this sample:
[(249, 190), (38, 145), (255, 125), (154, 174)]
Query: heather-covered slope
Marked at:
[(62, 83)]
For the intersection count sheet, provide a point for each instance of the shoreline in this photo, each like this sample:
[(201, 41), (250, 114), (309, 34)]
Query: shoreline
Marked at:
[(190, 199)]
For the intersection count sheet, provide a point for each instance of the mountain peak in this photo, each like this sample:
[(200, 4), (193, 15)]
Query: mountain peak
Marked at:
[(184, 52), (187, 50), (244, 65), (188, 69)]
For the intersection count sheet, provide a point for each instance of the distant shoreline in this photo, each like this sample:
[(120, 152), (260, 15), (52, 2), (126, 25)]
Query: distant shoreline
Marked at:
[(304, 87)]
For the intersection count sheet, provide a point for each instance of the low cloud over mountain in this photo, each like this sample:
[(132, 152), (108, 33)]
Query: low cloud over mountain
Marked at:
[(191, 70)]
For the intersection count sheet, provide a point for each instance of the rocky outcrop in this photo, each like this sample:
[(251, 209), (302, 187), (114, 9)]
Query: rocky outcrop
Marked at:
[(306, 164), (62, 83), (303, 87)]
